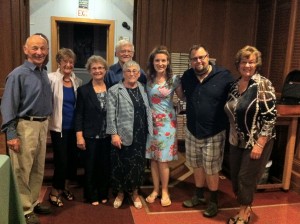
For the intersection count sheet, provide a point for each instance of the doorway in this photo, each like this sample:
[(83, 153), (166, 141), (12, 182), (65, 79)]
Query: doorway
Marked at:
[(85, 37)]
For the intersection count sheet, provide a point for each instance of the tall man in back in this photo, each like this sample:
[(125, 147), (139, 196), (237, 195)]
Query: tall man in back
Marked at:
[(25, 107), (205, 87), (124, 51)]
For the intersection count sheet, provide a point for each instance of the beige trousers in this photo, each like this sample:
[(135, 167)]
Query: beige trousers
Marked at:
[(28, 164)]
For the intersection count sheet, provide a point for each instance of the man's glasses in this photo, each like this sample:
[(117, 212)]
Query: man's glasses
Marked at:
[(125, 52), (201, 58)]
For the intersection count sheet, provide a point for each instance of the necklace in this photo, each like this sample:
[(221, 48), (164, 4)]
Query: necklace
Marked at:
[(201, 76), (134, 93), (99, 87), (66, 80)]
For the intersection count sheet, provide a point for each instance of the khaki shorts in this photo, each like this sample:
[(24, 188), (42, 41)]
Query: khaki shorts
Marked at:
[(207, 153)]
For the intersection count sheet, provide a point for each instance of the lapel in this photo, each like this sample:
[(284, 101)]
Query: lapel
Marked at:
[(123, 92), (143, 93), (92, 97)]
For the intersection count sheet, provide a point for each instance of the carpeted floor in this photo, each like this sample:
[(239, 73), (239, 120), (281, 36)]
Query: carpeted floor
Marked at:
[(270, 206), (79, 212)]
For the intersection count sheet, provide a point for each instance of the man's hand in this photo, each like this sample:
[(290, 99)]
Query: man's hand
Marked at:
[(14, 144)]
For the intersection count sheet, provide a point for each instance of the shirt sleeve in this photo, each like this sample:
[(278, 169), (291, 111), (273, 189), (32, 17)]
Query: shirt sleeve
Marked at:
[(267, 104), (9, 106)]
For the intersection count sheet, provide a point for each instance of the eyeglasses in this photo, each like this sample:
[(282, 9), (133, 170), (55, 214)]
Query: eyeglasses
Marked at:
[(201, 58), (98, 68), (251, 63), (133, 72), (126, 52)]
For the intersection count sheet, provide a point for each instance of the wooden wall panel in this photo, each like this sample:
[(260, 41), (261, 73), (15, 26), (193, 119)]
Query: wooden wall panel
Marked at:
[(212, 33), (157, 23), (6, 53), (240, 30), (280, 43), (295, 61), (150, 27), (14, 23), (185, 24), (222, 26), (265, 33)]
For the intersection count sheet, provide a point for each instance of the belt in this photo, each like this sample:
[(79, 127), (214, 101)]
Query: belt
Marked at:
[(29, 118)]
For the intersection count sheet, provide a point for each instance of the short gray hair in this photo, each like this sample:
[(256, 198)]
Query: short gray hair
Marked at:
[(122, 43), (131, 63)]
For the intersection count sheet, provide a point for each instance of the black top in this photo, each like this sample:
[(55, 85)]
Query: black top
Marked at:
[(90, 114), (205, 101)]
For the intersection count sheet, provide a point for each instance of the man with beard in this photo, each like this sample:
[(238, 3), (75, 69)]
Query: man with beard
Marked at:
[(25, 107), (205, 87)]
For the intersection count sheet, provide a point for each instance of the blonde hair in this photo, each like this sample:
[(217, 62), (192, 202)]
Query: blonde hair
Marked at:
[(246, 52), (95, 59)]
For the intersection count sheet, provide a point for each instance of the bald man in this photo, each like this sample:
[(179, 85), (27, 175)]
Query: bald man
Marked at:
[(25, 107)]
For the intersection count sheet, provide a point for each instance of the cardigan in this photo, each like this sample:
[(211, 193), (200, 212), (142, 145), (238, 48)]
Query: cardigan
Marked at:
[(253, 113), (120, 112)]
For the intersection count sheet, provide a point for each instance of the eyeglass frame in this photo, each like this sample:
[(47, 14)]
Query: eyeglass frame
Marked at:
[(125, 51), (251, 63), (133, 71), (201, 58)]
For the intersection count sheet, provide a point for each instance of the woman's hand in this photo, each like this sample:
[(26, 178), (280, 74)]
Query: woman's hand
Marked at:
[(116, 141), (258, 147), (256, 151), (80, 141)]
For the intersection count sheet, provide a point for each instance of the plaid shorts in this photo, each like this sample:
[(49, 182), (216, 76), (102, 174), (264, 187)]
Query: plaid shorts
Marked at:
[(207, 153)]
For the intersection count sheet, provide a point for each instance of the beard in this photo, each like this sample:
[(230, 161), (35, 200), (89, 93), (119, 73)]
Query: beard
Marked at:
[(202, 70)]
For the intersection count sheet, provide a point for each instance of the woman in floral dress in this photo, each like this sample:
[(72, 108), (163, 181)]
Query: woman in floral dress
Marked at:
[(162, 146)]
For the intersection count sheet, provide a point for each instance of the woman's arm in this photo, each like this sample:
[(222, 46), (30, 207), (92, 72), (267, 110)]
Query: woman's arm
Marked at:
[(111, 117)]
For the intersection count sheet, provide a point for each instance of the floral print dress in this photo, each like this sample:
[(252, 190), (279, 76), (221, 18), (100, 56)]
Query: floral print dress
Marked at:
[(162, 146)]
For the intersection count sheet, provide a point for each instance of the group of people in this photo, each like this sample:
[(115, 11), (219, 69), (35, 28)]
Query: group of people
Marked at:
[(123, 116)]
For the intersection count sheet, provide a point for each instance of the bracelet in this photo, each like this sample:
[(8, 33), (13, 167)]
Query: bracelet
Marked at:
[(259, 145)]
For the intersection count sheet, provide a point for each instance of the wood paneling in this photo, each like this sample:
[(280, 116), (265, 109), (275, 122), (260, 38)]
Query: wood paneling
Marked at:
[(280, 43), (14, 23), (222, 26), (295, 61), (185, 24), (265, 33)]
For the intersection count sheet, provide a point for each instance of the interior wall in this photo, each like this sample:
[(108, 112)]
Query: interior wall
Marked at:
[(14, 23), (119, 11), (222, 26)]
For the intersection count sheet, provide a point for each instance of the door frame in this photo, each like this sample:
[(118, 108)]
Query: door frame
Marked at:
[(55, 35)]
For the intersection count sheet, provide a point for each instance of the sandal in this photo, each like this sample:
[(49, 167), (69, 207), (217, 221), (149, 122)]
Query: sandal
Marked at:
[(68, 195), (151, 198), (232, 220), (95, 203), (136, 201), (118, 200), (238, 220), (242, 221), (104, 201), (165, 202), (57, 202)]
